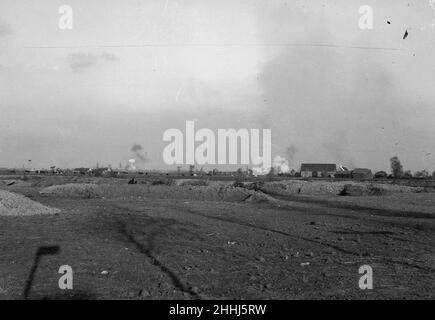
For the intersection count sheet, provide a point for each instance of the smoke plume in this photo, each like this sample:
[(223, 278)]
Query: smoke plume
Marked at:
[(280, 164), (139, 154)]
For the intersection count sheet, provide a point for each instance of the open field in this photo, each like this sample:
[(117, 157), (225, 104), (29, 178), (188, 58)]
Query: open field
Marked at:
[(183, 239)]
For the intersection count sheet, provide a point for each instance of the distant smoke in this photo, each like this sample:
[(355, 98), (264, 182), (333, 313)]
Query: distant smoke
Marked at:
[(131, 165), (290, 153), (139, 154), (136, 148), (280, 164)]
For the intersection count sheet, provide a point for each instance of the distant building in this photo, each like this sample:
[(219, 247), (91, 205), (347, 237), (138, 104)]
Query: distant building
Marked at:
[(81, 170), (317, 169), (343, 174), (362, 173)]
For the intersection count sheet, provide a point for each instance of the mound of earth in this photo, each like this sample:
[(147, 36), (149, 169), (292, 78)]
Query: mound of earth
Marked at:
[(12, 204), (191, 182), (357, 190), (260, 197), (73, 190), (352, 190), (48, 181), (212, 192), (292, 187)]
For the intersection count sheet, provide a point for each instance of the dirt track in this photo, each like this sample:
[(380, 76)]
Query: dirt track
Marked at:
[(189, 249)]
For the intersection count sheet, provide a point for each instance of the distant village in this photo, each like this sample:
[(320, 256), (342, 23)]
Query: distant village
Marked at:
[(307, 170)]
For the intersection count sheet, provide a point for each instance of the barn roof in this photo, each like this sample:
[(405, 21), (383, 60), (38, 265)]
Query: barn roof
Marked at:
[(328, 167)]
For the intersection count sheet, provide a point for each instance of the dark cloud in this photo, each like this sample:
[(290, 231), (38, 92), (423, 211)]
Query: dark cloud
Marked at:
[(290, 152)]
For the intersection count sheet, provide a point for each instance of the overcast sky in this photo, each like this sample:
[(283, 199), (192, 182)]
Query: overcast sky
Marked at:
[(131, 69)]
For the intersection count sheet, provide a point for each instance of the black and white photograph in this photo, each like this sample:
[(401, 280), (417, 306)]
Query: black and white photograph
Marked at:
[(238, 152)]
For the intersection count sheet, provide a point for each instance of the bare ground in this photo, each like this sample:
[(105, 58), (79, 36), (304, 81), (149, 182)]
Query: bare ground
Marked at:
[(299, 247)]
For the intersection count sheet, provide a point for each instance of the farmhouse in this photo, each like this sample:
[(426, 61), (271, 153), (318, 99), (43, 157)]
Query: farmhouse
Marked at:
[(381, 175), (317, 169), (362, 173)]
